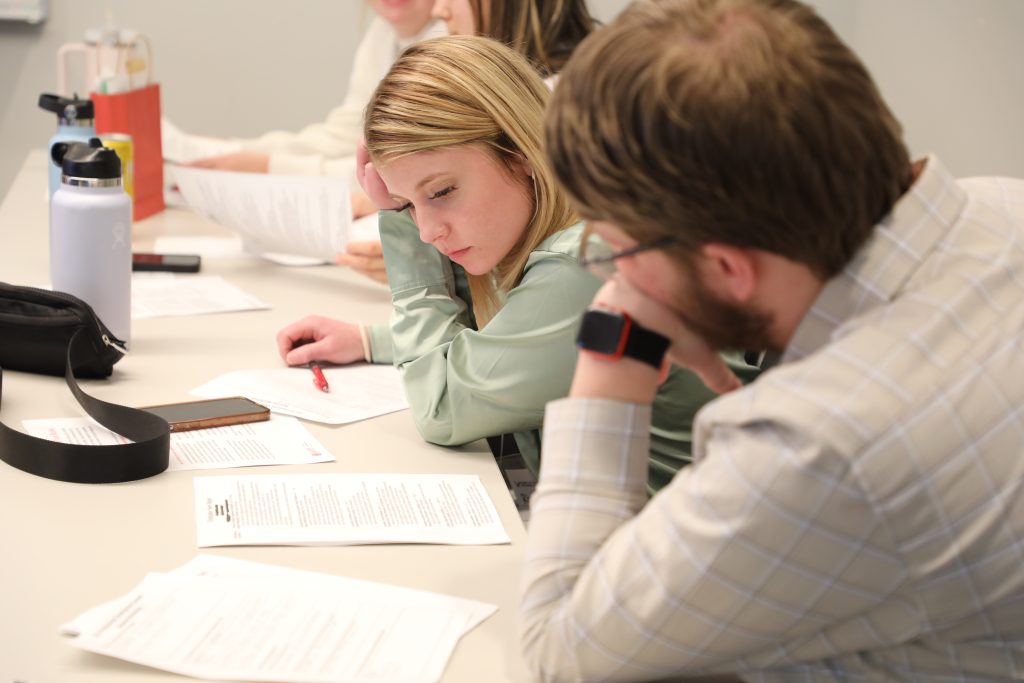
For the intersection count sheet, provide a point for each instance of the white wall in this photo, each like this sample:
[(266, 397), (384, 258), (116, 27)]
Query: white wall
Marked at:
[(951, 72), (949, 68), (225, 67)]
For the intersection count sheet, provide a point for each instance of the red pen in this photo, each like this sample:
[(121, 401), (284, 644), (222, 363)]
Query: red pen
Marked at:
[(318, 377)]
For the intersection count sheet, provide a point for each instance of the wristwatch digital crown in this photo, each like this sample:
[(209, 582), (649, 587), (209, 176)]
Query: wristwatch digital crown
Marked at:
[(614, 334)]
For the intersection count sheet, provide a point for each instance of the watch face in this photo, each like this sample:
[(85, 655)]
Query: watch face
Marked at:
[(604, 332)]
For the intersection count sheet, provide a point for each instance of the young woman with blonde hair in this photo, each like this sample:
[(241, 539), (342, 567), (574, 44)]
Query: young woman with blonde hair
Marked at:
[(481, 251), (544, 31)]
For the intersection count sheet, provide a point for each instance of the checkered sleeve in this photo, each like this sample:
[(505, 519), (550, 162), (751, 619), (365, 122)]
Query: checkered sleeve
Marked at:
[(763, 554)]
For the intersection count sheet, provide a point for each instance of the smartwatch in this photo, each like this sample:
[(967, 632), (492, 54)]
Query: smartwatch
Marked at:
[(614, 334)]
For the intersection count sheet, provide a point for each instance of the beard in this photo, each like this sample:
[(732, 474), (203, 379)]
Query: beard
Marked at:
[(721, 324)]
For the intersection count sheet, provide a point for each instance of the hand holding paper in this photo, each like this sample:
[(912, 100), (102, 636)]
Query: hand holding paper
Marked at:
[(302, 215)]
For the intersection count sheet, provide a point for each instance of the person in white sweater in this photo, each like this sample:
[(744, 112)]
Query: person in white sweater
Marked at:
[(328, 147), (542, 30)]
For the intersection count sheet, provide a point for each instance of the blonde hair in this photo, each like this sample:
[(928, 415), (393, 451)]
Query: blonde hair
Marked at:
[(469, 90)]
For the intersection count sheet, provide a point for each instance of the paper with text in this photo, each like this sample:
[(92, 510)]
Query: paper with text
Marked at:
[(156, 295), (302, 215), (232, 247), (277, 441), (357, 391), (345, 509), (222, 618), (363, 229)]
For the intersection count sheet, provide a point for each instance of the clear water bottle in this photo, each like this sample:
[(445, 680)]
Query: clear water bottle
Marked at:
[(75, 123), (91, 233)]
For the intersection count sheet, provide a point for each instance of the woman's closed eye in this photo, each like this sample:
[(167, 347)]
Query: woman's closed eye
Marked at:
[(440, 194), (443, 193)]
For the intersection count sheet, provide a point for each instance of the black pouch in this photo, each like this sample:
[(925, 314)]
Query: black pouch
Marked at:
[(36, 326), (55, 333)]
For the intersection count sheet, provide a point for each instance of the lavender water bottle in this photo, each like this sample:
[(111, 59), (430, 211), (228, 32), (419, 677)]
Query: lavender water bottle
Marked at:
[(90, 237)]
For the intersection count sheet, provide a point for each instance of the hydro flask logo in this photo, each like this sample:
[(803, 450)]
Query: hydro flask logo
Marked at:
[(118, 233)]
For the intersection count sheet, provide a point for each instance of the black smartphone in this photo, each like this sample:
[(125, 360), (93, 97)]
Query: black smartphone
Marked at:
[(215, 412), (173, 263)]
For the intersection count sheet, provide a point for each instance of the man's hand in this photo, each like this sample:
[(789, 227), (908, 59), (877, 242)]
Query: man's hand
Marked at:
[(244, 162), (687, 349)]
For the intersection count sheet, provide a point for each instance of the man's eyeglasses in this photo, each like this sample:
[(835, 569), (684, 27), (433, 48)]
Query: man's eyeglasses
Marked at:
[(597, 257)]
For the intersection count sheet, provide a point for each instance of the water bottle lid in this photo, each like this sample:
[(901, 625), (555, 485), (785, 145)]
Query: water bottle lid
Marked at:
[(92, 160), (68, 108)]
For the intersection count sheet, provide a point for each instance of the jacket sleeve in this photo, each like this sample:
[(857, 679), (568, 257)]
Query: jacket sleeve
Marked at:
[(464, 384), (767, 554)]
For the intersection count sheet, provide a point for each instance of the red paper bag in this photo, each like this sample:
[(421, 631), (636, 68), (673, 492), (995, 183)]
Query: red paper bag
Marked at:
[(137, 113)]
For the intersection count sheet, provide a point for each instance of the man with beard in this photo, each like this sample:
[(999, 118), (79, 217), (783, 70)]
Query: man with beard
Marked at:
[(857, 513)]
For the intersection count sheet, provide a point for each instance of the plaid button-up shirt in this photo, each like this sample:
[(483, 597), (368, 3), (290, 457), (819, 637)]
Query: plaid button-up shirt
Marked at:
[(857, 514)]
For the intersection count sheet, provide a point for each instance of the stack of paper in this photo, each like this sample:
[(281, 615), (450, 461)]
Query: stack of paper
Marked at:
[(219, 618)]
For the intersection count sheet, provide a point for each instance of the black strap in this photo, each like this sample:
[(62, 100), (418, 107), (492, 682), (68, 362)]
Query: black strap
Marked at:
[(102, 464), (646, 345)]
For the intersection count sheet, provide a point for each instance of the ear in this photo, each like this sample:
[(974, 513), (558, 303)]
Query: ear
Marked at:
[(521, 164), (732, 271)]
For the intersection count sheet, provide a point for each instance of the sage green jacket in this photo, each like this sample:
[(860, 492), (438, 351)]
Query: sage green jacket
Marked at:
[(463, 383)]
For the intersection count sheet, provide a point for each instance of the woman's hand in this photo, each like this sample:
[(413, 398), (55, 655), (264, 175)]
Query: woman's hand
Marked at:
[(371, 182), (318, 338), (245, 162), (366, 258)]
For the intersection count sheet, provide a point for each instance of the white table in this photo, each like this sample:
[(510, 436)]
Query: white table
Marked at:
[(68, 547)]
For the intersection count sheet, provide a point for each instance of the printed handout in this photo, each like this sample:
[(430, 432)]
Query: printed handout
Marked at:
[(278, 441), (222, 618), (358, 391), (345, 509), (301, 215), (362, 229), (164, 294)]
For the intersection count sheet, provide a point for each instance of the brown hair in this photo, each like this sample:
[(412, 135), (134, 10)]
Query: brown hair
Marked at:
[(470, 90), (544, 31), (744, 122)]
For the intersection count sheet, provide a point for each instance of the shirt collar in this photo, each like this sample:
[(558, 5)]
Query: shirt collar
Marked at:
[(895, 250)]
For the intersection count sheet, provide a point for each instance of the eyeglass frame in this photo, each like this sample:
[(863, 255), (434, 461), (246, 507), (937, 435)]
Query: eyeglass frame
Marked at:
[(584, 262)]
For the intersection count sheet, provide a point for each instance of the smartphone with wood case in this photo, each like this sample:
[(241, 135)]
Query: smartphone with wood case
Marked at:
[(215, 412), (171, 263)]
